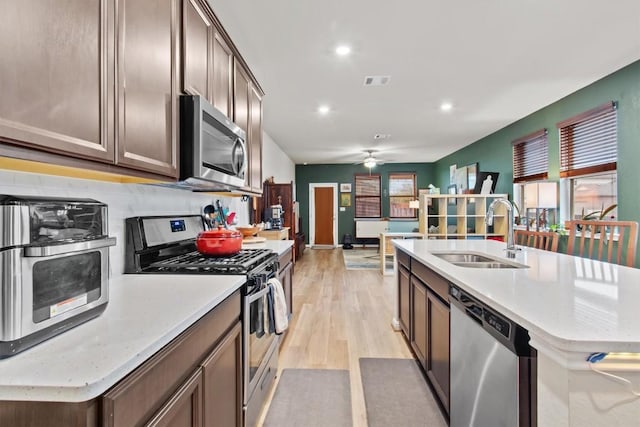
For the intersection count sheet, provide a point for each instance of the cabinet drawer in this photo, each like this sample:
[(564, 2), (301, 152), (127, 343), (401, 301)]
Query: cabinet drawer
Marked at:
[(437, 283), (403, 259), (135, 399)]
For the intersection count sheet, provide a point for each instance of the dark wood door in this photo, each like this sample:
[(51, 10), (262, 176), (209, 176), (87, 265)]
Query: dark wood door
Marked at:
[(147, 85), (197, 61), (222, 73), (222, 382), (404, 290), (254, 143), (438, 354), (55, 74), (419, 327), (184, 408), (323, 222)]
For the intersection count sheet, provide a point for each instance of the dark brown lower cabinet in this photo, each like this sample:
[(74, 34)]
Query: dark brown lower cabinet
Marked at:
[(419, 321), (438, 354), (423, 305), (184, 409), (222, 378), (194, 380), (404, 285)]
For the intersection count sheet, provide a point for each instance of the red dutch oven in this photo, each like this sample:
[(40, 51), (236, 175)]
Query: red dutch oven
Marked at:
[(220, 242)]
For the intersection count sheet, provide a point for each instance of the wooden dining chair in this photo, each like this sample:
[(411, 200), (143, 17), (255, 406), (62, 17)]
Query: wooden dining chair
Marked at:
[(611, 241), (547, 240)]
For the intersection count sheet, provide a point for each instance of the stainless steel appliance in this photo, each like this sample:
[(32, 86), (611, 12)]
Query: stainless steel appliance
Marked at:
[(277, 216), (213, 154), (492, 367), (54, 267), (165, 244)]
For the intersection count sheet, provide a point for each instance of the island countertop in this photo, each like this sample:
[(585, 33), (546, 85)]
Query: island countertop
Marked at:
[(144, 313), (572, 304)]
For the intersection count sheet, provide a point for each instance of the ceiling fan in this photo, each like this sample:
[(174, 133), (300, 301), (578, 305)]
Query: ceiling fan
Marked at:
[(370, 161)]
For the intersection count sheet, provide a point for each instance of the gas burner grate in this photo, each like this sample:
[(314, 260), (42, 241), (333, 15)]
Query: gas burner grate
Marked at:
[(195, 262)]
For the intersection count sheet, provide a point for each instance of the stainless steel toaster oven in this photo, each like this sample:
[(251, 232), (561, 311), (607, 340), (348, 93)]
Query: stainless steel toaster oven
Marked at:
[(54, 267)]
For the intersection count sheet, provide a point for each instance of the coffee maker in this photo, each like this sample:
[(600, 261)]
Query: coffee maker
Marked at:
[(277, 216)]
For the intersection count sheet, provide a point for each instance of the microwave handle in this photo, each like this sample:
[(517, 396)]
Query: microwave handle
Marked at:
[(239, 168), (40, 251)]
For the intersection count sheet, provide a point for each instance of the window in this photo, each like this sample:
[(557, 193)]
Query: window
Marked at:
[(588, 163), (531, 157), (402, 190), (368, 201)]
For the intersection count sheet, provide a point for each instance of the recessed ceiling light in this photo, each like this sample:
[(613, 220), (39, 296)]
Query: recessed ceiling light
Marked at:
[(446, 106), (343, 50), (323, 109)]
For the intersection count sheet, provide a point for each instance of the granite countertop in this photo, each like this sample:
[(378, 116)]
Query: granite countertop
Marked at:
[(144, 313), (571, 304)]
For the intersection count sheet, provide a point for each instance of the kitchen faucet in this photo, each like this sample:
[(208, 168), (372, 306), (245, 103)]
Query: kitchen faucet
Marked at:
[(511, 246)]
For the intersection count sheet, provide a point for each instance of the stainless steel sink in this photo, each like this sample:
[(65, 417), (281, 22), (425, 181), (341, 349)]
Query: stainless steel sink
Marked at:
[(475, 260)]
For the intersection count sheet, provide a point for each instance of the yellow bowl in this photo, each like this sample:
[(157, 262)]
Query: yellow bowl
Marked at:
[(248, 230)]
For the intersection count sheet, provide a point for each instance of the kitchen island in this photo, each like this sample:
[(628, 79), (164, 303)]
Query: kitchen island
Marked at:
[(572, 307)]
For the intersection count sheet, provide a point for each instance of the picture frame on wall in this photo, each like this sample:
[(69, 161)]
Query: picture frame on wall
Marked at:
[(452, 174), (345, 199), (452, 190), (486, 183), (461, 180), (472, 176), (345, 187)]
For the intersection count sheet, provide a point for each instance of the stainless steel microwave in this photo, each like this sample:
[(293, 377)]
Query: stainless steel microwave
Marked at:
[(213, 152)]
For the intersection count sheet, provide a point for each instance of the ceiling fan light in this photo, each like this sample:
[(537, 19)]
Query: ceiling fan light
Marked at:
[(369, 163)]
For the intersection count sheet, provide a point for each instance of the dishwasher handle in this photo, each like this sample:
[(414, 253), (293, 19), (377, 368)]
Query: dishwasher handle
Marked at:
[(470, 306)]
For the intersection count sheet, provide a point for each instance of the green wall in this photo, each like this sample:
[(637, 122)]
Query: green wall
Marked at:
[(340, 174), (493, 153)]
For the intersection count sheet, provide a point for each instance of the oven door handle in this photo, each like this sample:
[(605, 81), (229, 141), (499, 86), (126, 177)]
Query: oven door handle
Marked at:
[(41, 251), (258, 294)]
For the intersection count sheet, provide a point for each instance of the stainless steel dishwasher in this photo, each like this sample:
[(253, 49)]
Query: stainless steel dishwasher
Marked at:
[(492, 367)]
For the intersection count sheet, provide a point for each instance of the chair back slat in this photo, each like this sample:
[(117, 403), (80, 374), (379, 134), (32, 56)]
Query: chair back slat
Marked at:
[(596, 240), (537, 239)]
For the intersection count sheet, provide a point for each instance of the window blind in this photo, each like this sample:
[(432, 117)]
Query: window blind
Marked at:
[(402, 190), (589, 142), (368, 201), (531, 157)]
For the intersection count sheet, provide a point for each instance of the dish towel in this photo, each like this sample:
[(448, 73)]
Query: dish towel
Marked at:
[(279, 305)]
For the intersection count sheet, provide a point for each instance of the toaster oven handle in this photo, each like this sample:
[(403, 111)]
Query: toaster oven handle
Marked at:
[(39, 251)]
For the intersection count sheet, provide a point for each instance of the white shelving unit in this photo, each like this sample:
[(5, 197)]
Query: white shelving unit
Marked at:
[(461, 216)]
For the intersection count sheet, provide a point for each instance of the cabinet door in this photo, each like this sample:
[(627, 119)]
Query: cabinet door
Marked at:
[(147, 85), (438, 354), (419, 327), (197, 37), (241, 107), (184, 408), (222, 72), (222, 383), (55, 75), (255, 141), (404, 289)]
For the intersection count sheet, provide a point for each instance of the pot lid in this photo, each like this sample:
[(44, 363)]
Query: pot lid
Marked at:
[(219, 233)]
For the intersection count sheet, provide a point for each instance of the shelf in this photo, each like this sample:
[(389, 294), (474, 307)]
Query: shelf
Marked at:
[(468, 214)]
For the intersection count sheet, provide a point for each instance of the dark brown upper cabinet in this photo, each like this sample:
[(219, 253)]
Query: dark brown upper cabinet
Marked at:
[(147, 83), (55, 74), (255, 140), (197, 49), (222, 73)]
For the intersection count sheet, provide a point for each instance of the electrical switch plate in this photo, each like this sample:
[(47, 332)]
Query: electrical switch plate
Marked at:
[(342, 209)]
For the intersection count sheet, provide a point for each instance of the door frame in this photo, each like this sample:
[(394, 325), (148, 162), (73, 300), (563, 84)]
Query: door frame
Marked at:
[(312, 212)]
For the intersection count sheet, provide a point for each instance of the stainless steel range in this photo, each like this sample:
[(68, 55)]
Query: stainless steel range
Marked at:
[(166, 245)]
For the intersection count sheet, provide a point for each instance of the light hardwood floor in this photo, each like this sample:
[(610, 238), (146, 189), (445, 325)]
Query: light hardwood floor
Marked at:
[(340, 316)]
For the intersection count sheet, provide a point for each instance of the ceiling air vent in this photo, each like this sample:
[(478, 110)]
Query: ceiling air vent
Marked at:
[(377, 80)]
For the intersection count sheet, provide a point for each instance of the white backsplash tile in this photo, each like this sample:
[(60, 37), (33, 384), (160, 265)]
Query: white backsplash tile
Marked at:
[(124, 200)]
